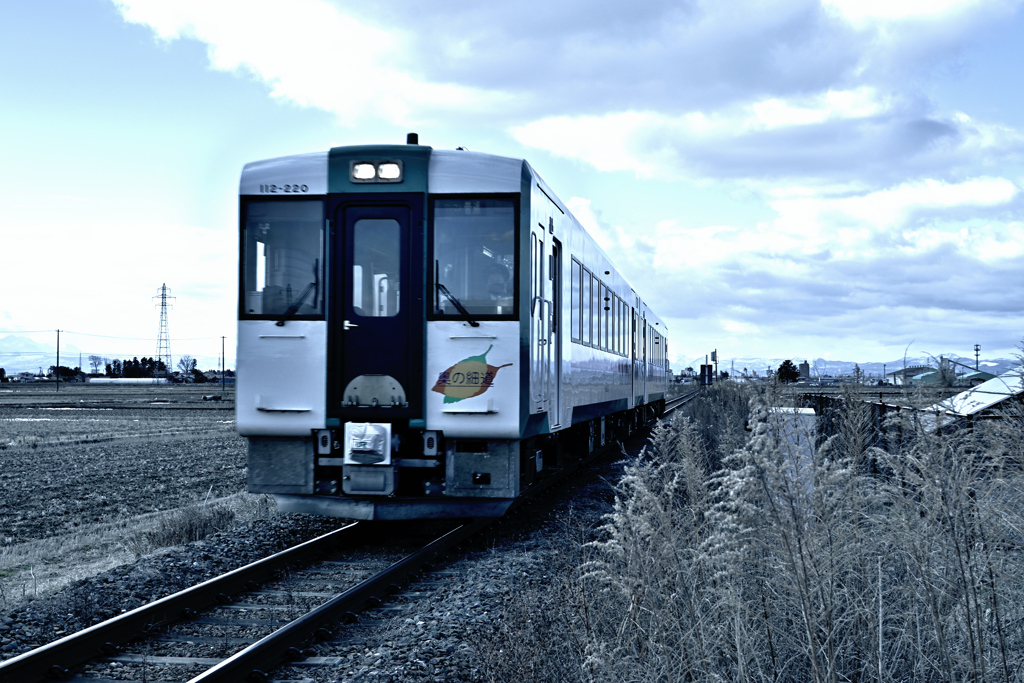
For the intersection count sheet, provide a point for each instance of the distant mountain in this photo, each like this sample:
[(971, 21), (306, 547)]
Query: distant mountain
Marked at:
[(22, 354), (15, 343), (838, 368)]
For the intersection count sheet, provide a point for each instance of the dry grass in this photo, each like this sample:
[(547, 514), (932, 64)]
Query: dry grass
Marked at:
[(46, 566), (774, 553)]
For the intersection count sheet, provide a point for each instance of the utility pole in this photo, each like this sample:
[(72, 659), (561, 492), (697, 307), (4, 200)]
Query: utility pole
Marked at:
[(222, 366), (977, 355), (57, 371), (163, 342)]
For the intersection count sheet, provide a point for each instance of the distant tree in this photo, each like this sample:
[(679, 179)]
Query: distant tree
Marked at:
[(788, 372), (63, 371), (132, 368), (724, 374), (148, 367), (187, 364), (96, 362), (3, 375)]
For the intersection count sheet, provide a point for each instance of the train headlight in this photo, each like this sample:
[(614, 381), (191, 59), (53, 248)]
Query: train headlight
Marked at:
[(364, 172), (389, 171)]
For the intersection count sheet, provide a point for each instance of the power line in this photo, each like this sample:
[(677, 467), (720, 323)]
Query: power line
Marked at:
[(106, 336)]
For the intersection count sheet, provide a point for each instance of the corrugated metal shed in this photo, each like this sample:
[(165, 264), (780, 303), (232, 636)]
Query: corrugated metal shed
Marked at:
[(984, 396), (976, 377)]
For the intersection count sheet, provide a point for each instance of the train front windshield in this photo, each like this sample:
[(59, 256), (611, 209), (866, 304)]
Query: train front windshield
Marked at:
[(474, 257), (282, 259)]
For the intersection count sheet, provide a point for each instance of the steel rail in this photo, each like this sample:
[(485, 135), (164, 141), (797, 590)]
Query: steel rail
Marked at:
[(279, 647), (681, 400), (56, 658)]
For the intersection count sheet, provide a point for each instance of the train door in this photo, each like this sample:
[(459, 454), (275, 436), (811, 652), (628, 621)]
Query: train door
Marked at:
[(376, 333), (643, 358), (540, 315), (632, 356), (638, 364), (555, 331)]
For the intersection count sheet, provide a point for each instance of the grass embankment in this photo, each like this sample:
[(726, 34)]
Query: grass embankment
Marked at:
[(744, 546)]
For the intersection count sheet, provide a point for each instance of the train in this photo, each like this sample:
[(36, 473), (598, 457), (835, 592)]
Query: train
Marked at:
[(427, 333)]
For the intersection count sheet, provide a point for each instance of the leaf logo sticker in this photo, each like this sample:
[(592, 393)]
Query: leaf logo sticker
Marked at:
[(467, 378)]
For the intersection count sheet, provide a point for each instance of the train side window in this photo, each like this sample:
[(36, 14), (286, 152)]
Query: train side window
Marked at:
[(624, 332), (577, 274), (632, 332), (536, 290), (602, 321), (619, 322), (613, 309), (595, 309), (606, 310), (617, 319), (282, 259), (588, 282)]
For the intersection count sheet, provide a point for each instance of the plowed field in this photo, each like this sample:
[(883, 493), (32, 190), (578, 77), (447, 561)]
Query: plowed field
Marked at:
[(93, 454)]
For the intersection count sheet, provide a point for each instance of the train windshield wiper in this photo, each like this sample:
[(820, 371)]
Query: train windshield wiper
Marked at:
[(313, 287), (458, 305)]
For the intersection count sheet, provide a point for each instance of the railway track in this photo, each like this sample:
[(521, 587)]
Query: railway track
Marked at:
[(255, 619), (681, 400), (235, 626)]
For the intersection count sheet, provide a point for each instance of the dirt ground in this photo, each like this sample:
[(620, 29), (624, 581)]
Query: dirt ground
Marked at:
[(99, 454)]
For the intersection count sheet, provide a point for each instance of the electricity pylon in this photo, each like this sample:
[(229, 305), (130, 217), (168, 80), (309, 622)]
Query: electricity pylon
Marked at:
[(163, 341)]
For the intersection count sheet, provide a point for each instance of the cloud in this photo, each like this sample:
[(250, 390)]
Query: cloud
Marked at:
[(877, 267), (913, 216), (793, 90), (866, 12), (878, 208), (833, 138), (313, 55), (522, 61), (108, 273)]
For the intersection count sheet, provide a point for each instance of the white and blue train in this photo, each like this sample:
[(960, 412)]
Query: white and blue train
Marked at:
[(426, 333)]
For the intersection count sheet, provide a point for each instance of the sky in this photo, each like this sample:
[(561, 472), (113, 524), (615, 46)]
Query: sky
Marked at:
[(835, 179)]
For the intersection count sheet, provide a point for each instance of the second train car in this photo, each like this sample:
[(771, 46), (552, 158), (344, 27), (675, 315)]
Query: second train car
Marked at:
[(425, 333)]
